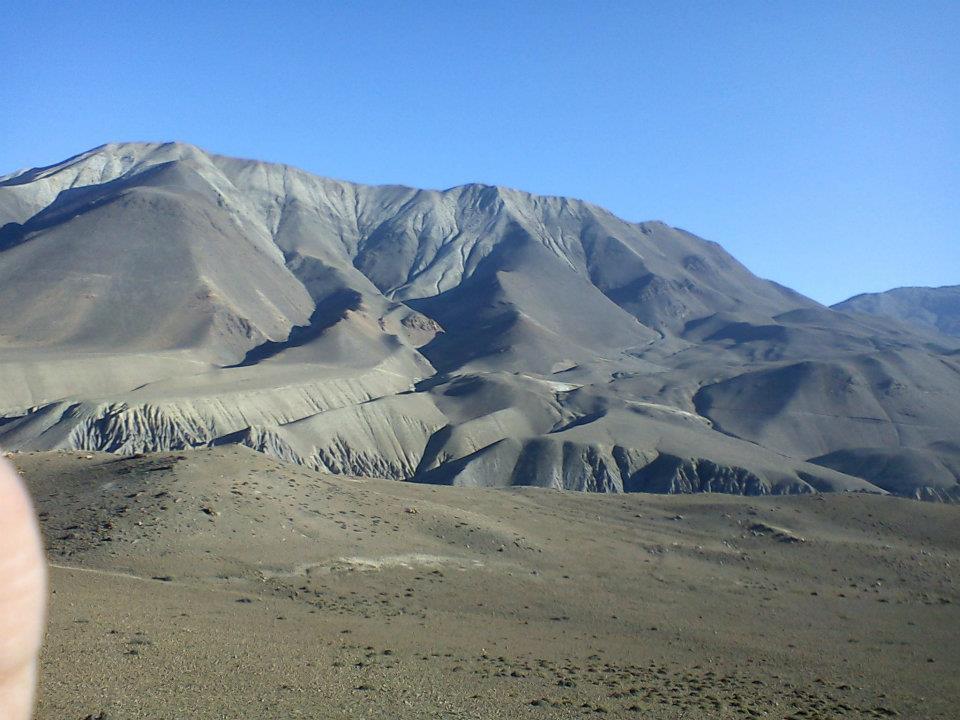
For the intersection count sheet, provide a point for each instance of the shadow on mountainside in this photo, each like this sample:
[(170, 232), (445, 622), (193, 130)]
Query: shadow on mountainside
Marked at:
[(327, 313)]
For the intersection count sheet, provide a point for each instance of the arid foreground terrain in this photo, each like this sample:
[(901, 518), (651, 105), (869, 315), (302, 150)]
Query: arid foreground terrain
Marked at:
[(222, 584)]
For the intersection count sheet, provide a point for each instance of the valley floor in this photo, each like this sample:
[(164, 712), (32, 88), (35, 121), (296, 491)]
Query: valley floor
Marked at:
[(222, 584)]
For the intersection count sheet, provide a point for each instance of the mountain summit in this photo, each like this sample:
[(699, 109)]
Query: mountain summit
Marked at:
[(156, 296), (936, 309)]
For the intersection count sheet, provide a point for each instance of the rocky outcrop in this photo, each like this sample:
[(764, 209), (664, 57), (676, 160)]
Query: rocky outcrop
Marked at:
[(190, 420), (671, 474)]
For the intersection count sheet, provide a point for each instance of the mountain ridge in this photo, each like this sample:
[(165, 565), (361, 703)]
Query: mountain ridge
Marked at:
[(157, 296), (934, 309)]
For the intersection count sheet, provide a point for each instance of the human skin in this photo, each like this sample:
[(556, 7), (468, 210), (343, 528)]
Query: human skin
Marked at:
[(23, 589)]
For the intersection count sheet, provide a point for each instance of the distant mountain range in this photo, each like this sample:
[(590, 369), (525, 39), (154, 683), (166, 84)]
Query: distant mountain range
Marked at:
[(155, 296), (936, 309)]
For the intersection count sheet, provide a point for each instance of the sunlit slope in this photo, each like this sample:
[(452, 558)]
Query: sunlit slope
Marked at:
[(156, 296)]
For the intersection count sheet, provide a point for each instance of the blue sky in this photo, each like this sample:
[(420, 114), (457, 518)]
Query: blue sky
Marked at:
[(818, 142)]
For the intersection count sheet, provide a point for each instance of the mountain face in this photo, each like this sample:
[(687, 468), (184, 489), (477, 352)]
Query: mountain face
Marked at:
[(931, 309), (160, 297)]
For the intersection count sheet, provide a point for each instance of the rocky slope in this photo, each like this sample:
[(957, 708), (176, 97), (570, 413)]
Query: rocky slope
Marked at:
[(158, 297)]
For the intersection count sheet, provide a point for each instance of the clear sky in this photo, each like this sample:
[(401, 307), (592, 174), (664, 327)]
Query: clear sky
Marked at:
[(819, 142)]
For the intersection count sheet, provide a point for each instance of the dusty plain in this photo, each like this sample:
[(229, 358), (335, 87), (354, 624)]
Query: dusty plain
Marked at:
[(219, 583)]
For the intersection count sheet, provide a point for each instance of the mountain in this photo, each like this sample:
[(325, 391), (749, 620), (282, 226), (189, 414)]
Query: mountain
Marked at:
[(157, 297), (933, 309)]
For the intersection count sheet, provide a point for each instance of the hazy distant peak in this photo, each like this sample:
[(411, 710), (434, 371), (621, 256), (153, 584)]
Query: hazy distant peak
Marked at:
[(916, 291), (929, 308)]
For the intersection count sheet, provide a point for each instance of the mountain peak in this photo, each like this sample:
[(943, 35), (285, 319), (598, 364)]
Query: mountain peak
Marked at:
[(157, 296), (931, 308)]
